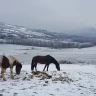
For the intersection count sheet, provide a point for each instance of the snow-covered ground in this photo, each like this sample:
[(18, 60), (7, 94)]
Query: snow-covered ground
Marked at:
[(74, 55), (73, 79)]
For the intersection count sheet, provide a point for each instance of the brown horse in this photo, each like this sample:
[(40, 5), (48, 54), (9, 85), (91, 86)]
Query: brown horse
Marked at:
[(9, 62), (44, 60)]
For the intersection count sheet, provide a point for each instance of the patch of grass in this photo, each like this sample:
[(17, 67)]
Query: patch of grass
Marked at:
[(65, 62)]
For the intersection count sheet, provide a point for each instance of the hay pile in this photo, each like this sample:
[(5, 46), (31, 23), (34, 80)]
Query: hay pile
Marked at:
[(61, 78), (54, 77), (42, 75)]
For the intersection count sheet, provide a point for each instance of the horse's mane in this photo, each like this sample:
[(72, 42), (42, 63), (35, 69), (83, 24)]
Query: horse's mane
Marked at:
[(55, 61), (15, 59)]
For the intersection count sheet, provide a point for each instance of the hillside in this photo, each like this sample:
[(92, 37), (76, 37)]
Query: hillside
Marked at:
[(13, 34), (85, 32)]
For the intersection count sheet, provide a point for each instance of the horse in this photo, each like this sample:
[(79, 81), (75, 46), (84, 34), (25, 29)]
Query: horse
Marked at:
[(9, 62), (44, 60)]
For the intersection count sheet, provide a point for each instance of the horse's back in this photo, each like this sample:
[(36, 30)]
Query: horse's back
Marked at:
[(36, 58), (42, 59), (12, 59)]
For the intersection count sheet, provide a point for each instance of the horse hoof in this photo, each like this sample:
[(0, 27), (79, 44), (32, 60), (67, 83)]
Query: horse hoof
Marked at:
[(12, 77)]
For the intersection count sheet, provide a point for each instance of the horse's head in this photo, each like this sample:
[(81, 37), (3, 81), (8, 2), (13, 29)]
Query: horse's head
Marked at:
[(32, 68), (56, 63), (18, 67), (58, 67)]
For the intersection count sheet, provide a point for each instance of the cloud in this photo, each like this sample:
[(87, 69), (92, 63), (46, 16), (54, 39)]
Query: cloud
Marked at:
[(49, 14)]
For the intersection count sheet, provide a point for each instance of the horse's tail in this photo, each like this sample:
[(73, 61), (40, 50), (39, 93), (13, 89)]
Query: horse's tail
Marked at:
[(32, 64)]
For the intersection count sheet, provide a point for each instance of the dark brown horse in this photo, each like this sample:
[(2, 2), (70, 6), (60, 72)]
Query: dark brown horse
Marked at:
[(44, 60), (9, 62)]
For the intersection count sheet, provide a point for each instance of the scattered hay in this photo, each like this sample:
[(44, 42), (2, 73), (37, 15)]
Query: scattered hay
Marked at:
[(62, 78), (54, 77), (42, 75)]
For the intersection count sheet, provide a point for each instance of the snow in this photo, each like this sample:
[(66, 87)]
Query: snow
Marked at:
[(83, 82), (25, 31), (80, 78), (22, 30), (38, 34)]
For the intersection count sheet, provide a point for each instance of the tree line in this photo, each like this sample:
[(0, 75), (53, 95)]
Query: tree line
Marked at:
[(51, 44)]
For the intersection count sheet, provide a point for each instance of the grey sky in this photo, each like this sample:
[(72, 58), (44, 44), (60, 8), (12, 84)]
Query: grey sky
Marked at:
[(53, 15)]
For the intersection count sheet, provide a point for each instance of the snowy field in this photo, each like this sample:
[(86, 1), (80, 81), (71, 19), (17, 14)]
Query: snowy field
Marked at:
[(78, 79)]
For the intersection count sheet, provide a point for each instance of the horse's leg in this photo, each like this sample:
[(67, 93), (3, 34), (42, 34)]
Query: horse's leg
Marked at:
[(32, 68), (2, 73), (44, 67), (47, 66), (11, 72), (32, 65)]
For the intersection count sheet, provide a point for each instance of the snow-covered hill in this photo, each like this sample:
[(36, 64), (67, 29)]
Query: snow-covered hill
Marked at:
[(14, 34), (18, 31), (86, 32)]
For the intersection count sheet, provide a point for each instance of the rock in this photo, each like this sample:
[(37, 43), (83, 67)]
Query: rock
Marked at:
[(46, 81), (1, 94)]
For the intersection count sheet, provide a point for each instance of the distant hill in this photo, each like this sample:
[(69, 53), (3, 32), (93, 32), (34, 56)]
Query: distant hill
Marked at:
[(85, 32), (14, 34)]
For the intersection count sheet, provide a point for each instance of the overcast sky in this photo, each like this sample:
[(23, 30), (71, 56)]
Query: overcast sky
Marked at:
[(53, 15)]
